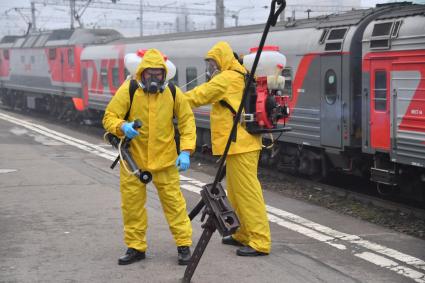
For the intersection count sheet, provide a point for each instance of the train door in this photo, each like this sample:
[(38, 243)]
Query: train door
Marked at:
[(380, 104), (62, 71), (70, 65), (85, 84), (330, 101)]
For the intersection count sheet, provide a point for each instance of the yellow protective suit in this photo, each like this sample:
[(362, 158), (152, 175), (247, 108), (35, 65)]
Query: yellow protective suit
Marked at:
[(243, 187), (154, 149)]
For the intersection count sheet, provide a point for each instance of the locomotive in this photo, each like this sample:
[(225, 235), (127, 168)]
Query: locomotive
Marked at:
[(355, 82), (43, 70)]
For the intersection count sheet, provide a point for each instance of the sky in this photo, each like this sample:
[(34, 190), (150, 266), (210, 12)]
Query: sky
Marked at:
[(127, 21)]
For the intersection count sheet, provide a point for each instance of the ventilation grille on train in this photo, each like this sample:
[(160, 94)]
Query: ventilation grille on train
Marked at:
[(61, 34)]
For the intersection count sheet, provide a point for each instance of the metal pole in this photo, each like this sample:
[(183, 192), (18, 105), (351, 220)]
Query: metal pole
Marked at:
[(72, 7), (219, 9), (141, 17), (308, 13), (34, 27)]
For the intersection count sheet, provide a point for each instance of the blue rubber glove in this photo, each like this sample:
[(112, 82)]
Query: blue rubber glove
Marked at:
[(128, 130), (183, 161)]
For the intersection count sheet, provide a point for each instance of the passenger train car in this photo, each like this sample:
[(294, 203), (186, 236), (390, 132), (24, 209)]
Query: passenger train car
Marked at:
[(356, 83)]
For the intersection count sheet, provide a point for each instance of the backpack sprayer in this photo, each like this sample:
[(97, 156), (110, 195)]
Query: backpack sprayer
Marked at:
[(266, 109), (220, 214)]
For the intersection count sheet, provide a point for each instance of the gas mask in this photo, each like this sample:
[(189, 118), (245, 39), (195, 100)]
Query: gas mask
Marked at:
[(153, 80), (211, 69)]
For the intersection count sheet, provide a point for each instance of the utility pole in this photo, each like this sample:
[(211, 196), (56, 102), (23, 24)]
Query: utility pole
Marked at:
[(141, 17), (219, 9), (33, 27), (72, 8), (308, 11)]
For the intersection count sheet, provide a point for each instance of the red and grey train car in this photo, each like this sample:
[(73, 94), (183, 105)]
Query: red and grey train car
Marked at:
[(42, 70), (355, 82), (393, 66)]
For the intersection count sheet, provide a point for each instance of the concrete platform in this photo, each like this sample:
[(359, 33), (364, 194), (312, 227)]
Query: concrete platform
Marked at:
[(60, 221)]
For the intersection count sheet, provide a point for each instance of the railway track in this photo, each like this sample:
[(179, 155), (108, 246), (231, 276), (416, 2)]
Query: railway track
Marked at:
[(405, 217)]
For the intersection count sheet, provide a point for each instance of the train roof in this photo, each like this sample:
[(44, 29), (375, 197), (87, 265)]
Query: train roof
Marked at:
[(60, 37), (349, 18), (9, 40), (407, 11), (345, 19)]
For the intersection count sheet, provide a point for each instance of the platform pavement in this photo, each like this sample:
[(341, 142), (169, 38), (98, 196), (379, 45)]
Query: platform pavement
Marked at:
[(60, 221)]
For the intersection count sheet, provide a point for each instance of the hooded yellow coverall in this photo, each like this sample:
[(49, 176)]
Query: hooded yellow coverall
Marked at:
[(243, 188), (154, 149)]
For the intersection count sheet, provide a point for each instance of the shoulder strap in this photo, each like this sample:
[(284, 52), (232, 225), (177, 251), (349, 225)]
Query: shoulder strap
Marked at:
[(173, 90), (228, 106), (243, 74), (132, 89)]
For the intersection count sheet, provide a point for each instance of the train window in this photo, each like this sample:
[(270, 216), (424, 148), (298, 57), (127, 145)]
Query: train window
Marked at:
[(52, 54), (287, 73), (115, 77), (381, 43), (382, 29), (32, 59), (175, 79), (333, 46), (23, 59), (380, 35), (396, 28), (380, 90), (323, 36), (330, 86), (71, 60), (337, 34), (6, 54), (104, 76), (191, 78)]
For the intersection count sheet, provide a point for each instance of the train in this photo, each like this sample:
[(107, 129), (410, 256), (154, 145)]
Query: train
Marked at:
[(355, 82)]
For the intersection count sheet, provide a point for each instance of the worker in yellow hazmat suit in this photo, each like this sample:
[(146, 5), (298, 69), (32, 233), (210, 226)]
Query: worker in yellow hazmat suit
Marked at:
[(153, 148), (224, 91)]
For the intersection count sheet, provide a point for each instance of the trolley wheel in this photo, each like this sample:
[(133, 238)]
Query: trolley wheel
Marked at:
[(145, 177)]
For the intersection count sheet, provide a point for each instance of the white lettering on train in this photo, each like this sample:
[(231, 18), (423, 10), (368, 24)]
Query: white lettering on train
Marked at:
[(416, 112)]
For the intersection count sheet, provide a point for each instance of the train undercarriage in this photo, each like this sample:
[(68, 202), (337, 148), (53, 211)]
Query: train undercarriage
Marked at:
[(318, 165), (56, 106)]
